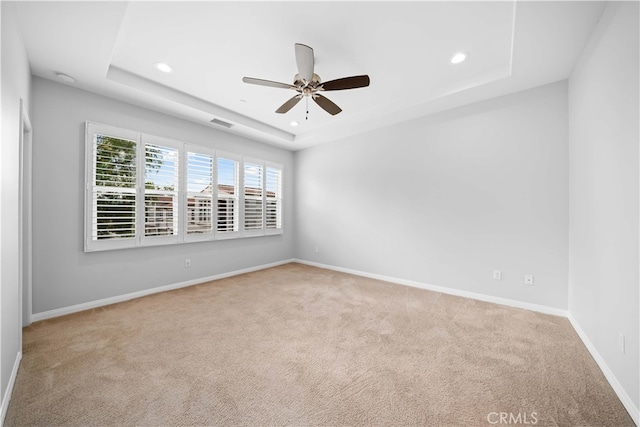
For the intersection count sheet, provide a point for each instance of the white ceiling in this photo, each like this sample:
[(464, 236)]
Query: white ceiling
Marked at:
[(405, 47)]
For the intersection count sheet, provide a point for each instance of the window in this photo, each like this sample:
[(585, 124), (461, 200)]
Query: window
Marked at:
[(114, 187), (111, 177), (161, 184), (146, 190), (200, 193), (253, 183)]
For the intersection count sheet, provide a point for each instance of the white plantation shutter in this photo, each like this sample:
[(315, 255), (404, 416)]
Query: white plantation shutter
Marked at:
[(200, 173), (228, 209), (253, 191), (144, 190), (111, 187), (161, 182), (273, 197), (114, 188)]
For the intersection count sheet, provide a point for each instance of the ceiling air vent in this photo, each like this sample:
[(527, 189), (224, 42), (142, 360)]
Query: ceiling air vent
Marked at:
[(221, 123)]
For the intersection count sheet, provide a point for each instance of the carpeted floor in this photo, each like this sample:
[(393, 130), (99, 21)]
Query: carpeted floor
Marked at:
[(297, 345)]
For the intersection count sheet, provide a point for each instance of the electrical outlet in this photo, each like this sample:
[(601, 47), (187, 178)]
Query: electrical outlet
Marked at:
[(621, 342), (317, 250), (497, 275), (187, 263), (528, 279)]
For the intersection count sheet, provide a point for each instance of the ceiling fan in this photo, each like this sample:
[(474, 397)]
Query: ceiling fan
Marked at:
[(308, 84)]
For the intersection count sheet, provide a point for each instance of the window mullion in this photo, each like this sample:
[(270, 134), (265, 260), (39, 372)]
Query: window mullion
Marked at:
[(264, 197), (140, 205), (214, 196), (241, 198), (183, 196)]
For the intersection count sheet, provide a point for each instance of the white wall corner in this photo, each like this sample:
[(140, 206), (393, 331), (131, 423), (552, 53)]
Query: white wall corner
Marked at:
[(9, 391), (626, 400)]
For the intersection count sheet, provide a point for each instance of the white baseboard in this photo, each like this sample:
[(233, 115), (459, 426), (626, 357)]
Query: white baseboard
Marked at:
[(120, 298), (9, 391), (451, 291), (628, 403)]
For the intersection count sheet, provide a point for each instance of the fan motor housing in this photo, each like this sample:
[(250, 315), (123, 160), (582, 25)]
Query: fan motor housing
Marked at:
[(300, 83)]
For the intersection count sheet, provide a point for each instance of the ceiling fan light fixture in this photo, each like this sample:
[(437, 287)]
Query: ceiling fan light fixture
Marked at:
[(164, 67), (459, 57), (308, 84)]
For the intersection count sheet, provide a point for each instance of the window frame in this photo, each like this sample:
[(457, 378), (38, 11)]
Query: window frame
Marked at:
[(183, 148), (263, 231), (92, 129)]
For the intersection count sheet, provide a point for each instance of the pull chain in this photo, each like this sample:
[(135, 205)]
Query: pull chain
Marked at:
[(307, 116)]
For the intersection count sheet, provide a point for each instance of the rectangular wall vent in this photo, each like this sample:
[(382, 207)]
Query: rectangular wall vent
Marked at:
[(221, 123)]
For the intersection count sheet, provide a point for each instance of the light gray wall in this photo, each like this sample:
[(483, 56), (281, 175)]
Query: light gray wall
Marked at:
[(447, 199), (15, 85), (63, 274), (603, 129)]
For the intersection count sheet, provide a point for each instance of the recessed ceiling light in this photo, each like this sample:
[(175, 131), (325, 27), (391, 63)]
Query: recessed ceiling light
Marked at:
[(459, 57), (65, 78), (294, 123), (165, 68)]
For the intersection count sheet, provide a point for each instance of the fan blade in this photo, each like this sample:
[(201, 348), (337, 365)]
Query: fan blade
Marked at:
[(262, 82), (289, 104), (352, 82), (326, 104), (304, 60)]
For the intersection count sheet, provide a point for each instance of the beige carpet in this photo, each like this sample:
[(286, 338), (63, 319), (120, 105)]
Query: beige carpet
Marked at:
[(297, 345)]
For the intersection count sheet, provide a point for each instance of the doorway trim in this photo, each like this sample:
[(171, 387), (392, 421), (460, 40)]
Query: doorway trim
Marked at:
[(25, 219)]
